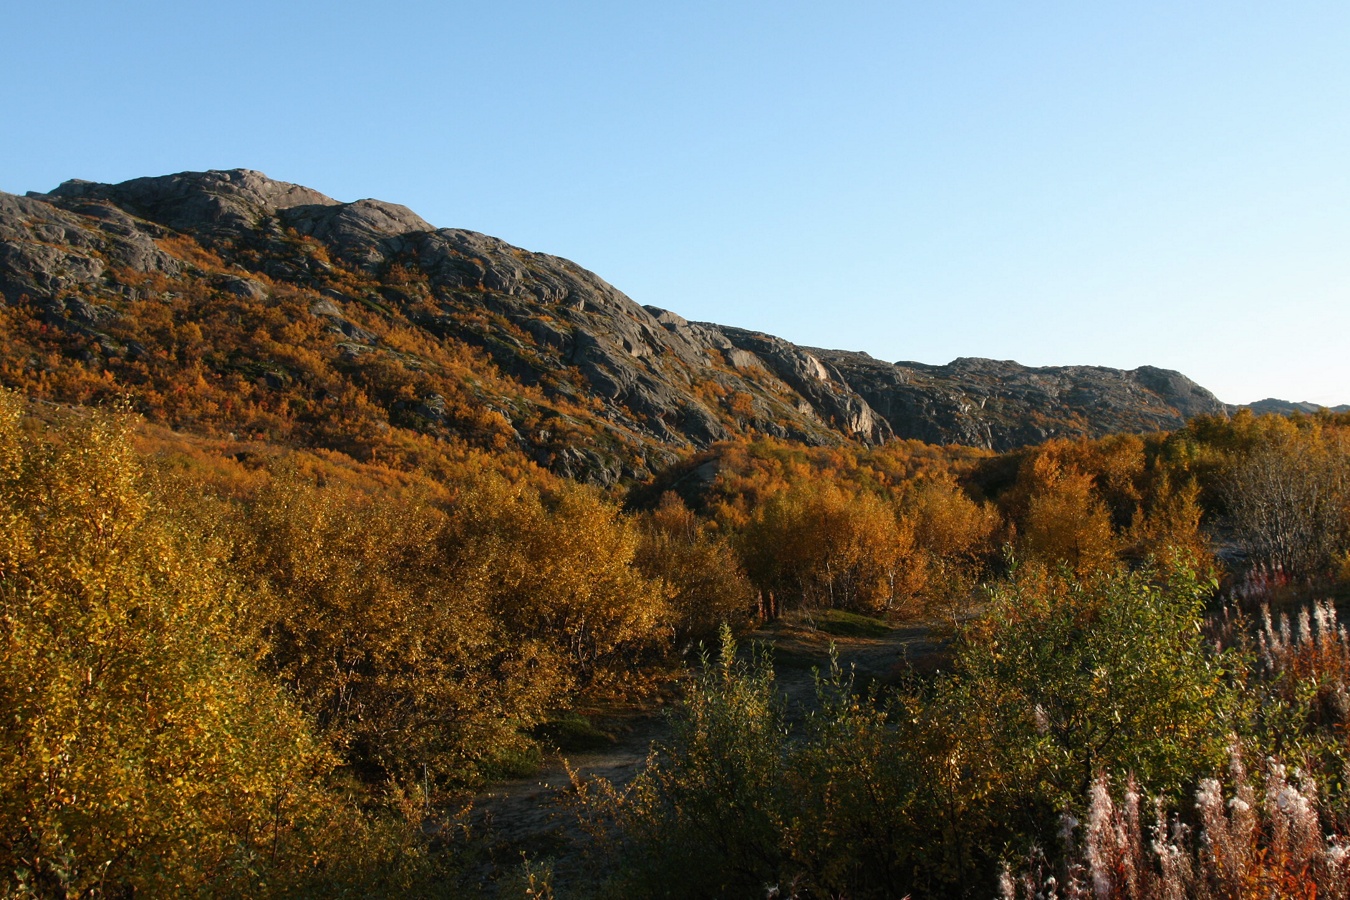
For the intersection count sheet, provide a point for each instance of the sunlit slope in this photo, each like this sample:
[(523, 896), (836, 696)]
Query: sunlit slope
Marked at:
[(228, 303)]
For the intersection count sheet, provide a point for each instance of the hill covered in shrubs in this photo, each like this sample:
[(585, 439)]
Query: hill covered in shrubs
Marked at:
[(317, 519), (232, 303), (276, 671)]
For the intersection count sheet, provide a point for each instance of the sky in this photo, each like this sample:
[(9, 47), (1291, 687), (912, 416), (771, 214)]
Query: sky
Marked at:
[(1106, 183)]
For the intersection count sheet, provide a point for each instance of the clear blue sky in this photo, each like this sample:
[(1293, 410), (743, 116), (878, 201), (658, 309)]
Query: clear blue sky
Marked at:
[(1111, 183)]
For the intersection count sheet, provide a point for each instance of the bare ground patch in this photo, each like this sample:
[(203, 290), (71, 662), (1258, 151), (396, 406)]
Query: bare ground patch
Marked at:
[(529, 818)]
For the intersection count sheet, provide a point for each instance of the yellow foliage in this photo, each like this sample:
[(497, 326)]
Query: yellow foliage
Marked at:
[(699, 569), (138, 752), (1066, 522), (817, 545), (948, 524), (1168, 529), (558, 573), (401, 667)]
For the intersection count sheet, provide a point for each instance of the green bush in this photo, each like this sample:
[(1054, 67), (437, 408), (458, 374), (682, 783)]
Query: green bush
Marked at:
[(706, 817), (920, 791)]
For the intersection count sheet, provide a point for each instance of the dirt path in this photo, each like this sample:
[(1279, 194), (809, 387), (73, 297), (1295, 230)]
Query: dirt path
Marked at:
[(529, 816), (798, 652)]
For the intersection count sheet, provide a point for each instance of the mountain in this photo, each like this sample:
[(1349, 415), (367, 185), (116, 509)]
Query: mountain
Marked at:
[(1288, 408), (225, 301)]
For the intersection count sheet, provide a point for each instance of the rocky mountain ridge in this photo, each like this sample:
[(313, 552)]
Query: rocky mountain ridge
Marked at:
[(1289, 408), (582, 378)]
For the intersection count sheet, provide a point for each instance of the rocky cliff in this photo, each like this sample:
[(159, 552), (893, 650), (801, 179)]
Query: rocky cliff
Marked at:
[(321, 309)]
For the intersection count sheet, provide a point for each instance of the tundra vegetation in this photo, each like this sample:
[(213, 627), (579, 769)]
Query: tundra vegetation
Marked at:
[(269, 671), (274, 650)]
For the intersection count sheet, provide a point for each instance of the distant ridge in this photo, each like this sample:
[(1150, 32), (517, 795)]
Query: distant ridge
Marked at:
[(1288, 408), (226, 300)]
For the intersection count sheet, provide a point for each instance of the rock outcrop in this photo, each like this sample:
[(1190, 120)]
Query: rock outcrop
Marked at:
[(1002, 405)]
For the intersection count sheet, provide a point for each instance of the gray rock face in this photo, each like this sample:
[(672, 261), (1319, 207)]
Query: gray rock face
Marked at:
[(360, 231), (46, 250), (1002, 405), (212, 202), (823, 386), (660, 380)]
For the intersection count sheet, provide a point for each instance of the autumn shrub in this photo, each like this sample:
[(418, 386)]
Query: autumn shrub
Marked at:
[(1208, 446), (140, 753), (1108, 674), (865, 798), (1288, 499), (557, 572), (404, 669), (706, 817), (955, 538), (1066, 521), (1167, 527), (699, 569), (949, 525), (1280, 832), (1090, 504), (919, 791), (1061, 678), (816, 545), (879, 808)]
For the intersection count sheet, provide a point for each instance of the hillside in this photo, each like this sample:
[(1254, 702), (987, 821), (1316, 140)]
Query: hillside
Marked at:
[(226, 302), (1289, 408), (242, 664)]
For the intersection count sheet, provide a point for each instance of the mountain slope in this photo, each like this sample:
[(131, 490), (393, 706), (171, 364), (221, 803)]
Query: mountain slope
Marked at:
[(231, 302), (1271, 405)]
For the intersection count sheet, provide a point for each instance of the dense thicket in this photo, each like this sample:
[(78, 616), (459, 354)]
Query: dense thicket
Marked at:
[(262, 683), (879, 529), (141, 751), (1097, 665), (261, 672)]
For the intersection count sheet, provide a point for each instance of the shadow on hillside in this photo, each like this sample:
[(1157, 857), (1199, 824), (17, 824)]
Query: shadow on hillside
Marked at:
[(529, 818)]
